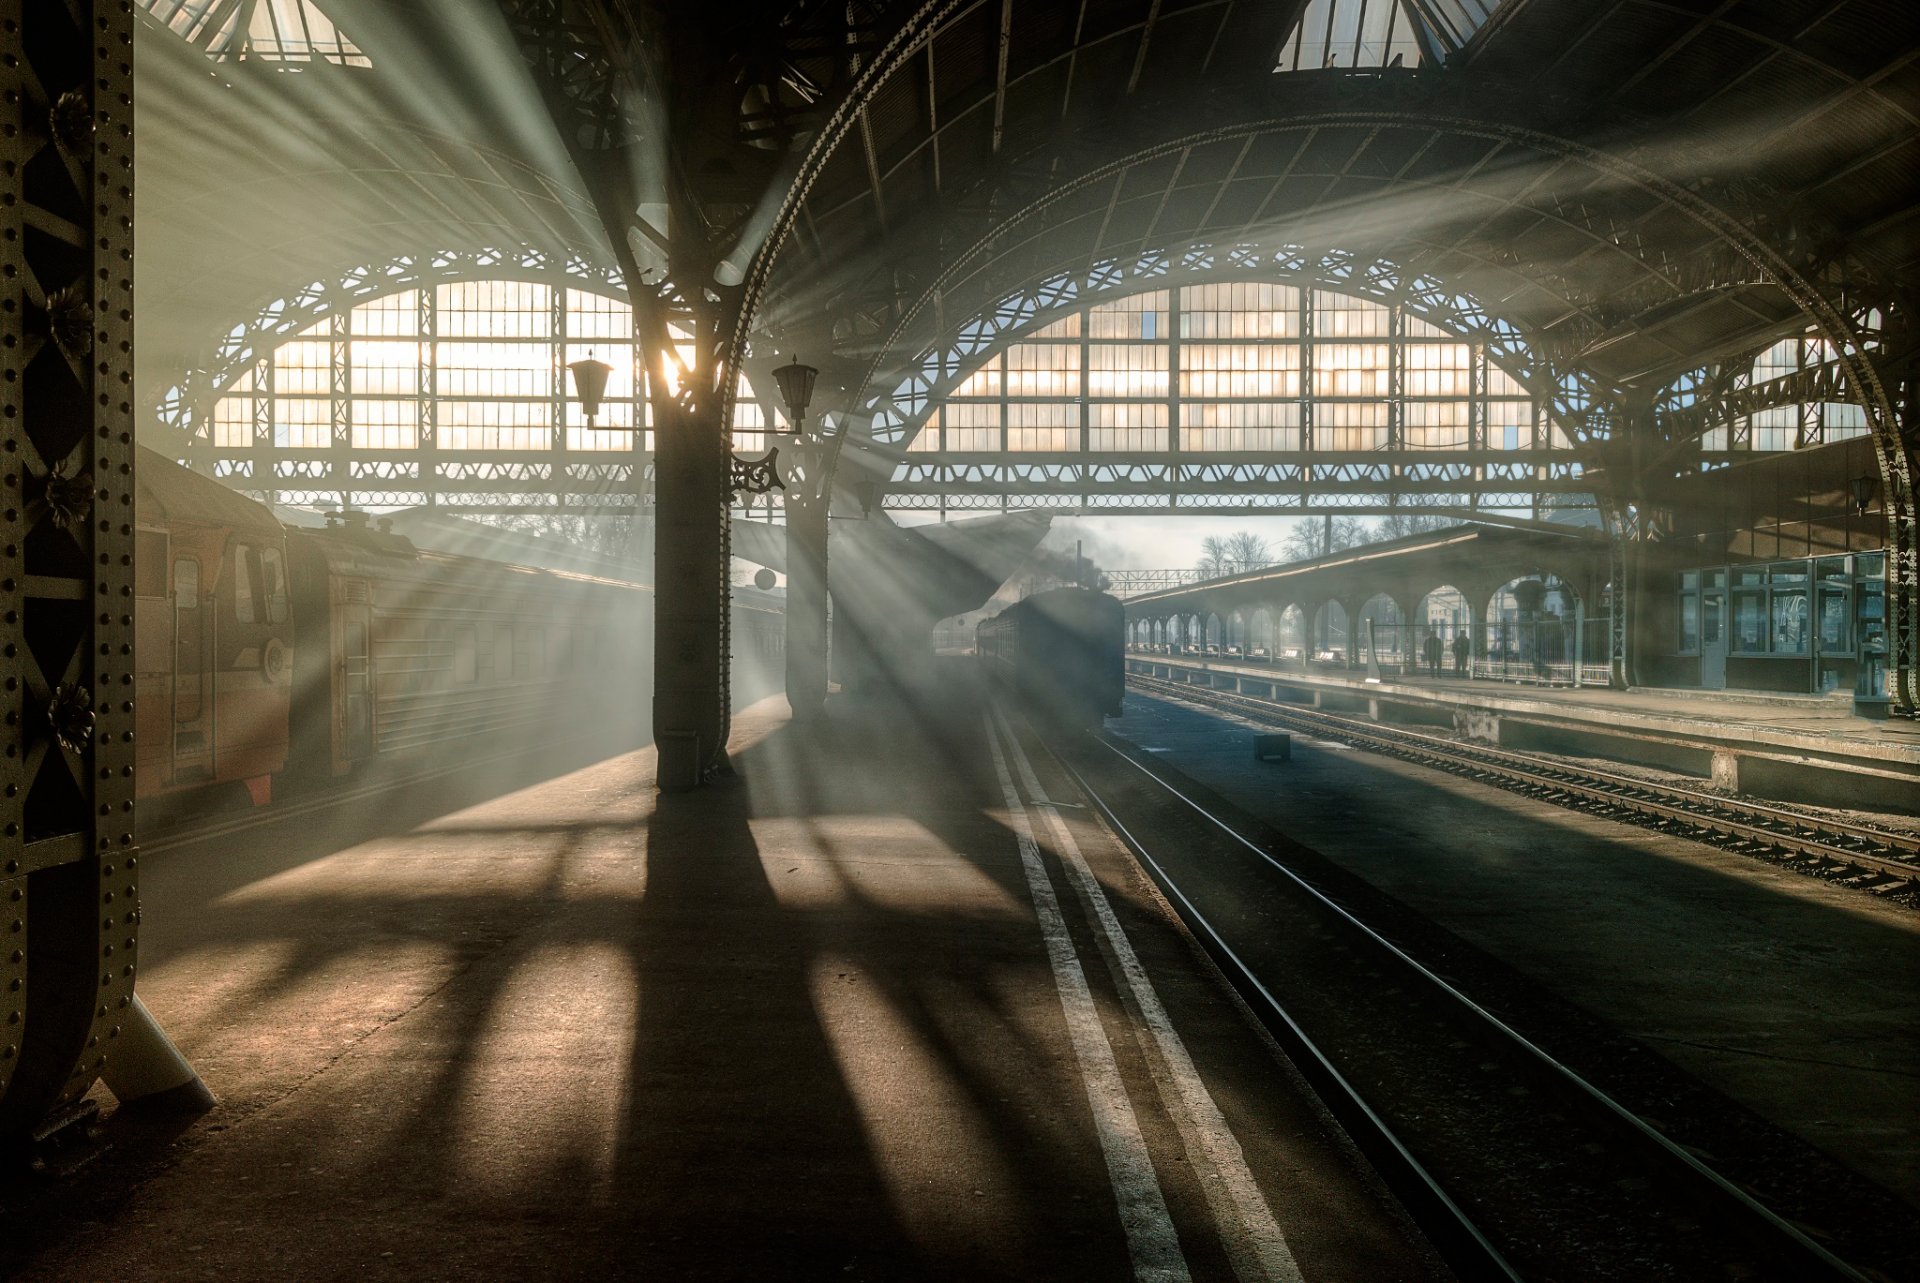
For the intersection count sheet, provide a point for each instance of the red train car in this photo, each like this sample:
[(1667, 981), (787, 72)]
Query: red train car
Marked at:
[(406, 649), (265, 651), (213, 636)]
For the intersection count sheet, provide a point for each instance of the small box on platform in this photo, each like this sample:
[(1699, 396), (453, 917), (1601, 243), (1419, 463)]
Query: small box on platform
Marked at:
[(1277, 747)]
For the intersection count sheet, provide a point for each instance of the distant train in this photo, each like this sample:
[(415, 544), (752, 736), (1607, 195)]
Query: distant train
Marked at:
[(1062, 652), (265, 651)]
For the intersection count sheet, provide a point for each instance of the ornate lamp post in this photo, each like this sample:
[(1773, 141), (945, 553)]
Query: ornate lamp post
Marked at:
[(689, 685), (807, 502)]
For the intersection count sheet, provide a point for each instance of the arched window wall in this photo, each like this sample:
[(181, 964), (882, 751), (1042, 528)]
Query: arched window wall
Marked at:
[(1237, 367)]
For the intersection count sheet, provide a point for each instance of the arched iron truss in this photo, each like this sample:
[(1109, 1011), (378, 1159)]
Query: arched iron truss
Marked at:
[(1614, 429), (1189, 482), (504, 480)]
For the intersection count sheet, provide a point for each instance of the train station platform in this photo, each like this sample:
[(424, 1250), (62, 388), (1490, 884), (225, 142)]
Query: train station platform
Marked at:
[(886, 1006), (1798, 748)]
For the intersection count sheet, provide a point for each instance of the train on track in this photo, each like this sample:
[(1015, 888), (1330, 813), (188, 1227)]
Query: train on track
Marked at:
[(1062, 652), (267, 652)]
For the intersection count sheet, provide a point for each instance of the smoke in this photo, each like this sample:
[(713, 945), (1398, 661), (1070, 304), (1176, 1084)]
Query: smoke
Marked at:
[(1064, 559)]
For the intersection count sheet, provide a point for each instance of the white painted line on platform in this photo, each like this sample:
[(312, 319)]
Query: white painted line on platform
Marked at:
[(1151, 1241), (1235, 1197)]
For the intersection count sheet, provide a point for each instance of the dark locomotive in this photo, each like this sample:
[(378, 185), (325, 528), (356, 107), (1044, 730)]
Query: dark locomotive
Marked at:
[(1062, 653), (267, 652)]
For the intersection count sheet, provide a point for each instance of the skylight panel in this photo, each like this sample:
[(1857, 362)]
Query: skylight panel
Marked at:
[(291, 32), (1381, 34)]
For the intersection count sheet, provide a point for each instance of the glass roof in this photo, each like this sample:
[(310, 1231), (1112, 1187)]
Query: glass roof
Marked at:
[(1382, 33), (282, 31)]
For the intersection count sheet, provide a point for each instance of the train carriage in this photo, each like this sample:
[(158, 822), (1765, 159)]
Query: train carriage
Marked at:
[(1062, 652), (265, 651), (408, 649), (213, 636)]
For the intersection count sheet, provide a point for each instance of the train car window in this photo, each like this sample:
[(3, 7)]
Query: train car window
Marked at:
[(246, 567), (273, 584), (522, 654), (186, 639), (149, 563), (466, 656), (503, 661)]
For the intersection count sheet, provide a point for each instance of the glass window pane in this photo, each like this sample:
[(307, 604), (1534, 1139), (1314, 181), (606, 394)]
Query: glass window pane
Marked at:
[(1438, 425), (384, 369), (1114, 426), (303, 367), (1139, 316), (1350, 426), (396, 315), (1351, 369), (1043, 370), (972, 427), (1750, 621), (1790, 622), (1044, 426), (494, 310), (1510, 425), (1265, 370), (495, 425), (983, 382), (302, 423), (1240, 310), (1342, 316), (1437, 369), (385, 425), (1127, 370), (494, 369), (1835, 629), (1240, 426)]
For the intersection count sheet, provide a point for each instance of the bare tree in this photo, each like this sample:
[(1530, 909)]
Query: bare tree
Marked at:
[(1318, 536), (1248, 551), (1398, 525), (1238, 552), (1214, 558)]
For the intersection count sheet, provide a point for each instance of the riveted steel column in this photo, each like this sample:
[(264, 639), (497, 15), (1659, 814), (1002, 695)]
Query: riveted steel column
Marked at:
[(690, 587), (69, 895)]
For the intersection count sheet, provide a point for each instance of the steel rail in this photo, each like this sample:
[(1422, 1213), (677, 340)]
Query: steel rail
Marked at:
[(1889, 855), (1816, 1261)]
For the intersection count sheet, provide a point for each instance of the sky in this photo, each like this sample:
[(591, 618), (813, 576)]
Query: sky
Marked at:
[(1147, 542)]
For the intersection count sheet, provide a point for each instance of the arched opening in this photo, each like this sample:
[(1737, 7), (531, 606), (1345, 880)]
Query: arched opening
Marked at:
[(1260, 634), (1213, 635), (1236, 636), (1330, 642), (1291, 643), (1533, 631), (1381, 632), (1446, 613)]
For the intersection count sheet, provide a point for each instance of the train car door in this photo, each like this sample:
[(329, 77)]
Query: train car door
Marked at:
[(356, 671), (192, 742)]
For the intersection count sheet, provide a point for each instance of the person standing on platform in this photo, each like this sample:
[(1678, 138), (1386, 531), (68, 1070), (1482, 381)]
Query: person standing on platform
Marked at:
[(1432, 649), (1462, 649)]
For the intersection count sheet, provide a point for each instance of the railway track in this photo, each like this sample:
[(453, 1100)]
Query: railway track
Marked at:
[(1515, 1165), (1856, 854)]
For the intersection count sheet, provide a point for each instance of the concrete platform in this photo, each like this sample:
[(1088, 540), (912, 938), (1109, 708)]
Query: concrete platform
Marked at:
[(1791, 996), (1801, 748), (851, 1016)]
